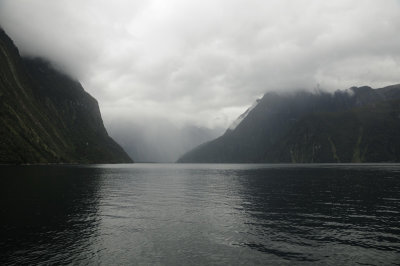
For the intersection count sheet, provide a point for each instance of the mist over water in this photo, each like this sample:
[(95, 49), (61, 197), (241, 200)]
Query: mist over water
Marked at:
[(201, 214), (158, 141), (199, 64)]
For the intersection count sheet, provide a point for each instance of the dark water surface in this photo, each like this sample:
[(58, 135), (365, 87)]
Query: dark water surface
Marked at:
[(164, 214)]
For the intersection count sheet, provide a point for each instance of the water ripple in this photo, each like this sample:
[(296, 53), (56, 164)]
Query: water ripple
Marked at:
[(201, 214)]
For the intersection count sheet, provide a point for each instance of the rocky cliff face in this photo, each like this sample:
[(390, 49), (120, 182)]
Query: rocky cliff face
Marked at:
[(47, 117), (360, 125)]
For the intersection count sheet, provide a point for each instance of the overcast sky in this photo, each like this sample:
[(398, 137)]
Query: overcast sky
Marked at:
[(206, 61)]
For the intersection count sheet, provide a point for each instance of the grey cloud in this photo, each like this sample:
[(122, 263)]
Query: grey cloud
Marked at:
[(204, 62)]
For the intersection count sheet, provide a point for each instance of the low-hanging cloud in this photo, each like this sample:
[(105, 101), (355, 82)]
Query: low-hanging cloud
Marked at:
[(203, 62)]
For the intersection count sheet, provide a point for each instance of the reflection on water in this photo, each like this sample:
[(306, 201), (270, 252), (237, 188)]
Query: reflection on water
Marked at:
[(201, 214)]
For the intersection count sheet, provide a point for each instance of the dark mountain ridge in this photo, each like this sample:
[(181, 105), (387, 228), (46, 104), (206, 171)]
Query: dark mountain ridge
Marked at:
[(357, 125), (47, 117)]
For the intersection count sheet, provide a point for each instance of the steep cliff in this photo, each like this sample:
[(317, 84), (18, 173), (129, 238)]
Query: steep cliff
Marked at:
[(360, 125), (47, 117)]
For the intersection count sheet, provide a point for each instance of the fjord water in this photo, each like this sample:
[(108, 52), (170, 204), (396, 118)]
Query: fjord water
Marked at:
[(172, 214)]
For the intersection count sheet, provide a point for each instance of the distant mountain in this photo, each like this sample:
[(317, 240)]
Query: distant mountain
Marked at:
[(358, 125), (158, 140), (47, 117)]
